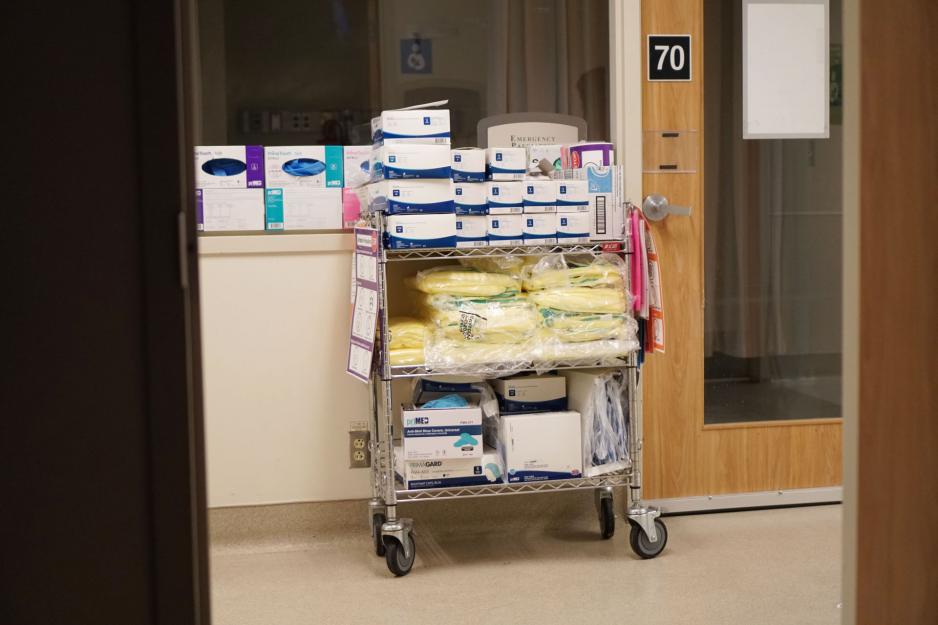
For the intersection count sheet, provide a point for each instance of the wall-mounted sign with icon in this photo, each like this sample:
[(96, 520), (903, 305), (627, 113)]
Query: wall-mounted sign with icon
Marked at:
[(416, 56)]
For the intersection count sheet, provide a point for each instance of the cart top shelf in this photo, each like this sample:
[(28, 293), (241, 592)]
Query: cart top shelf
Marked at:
[(462, 252)]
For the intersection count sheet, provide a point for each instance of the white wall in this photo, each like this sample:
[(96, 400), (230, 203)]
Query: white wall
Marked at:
[(277, 400)]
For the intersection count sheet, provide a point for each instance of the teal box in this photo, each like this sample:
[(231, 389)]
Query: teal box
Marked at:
[(273, 209), (307, 166)]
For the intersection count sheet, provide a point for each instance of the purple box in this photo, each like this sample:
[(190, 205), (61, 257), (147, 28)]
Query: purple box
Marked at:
[(595, 153), (199, 213), (229, 167)]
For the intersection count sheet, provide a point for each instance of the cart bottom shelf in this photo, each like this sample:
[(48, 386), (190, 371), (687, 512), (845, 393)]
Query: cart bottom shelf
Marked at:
[(619, 478)]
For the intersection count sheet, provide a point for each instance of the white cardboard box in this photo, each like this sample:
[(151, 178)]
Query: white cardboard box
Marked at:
[(468, 164), (356, 160), (539, 196), (300, 208), (573, 227), (506, 163), (506, 230), (531, 393), (226, 210), (504, 198), (408, 160), (229, 167), (441, 433), (541, 446), (540, 228), (401, 197), (572, 196), (469, 198), (312, 166), (421, 231), (472, 231), (443, 473), (428, 126)]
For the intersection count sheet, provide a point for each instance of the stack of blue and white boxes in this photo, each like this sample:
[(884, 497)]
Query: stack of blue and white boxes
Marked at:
[(411, 171)]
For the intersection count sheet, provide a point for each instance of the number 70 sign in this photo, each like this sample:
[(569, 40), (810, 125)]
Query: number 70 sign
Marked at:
[(669, 57)]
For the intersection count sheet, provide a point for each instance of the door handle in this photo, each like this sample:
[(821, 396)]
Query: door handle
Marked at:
[(656, 207)]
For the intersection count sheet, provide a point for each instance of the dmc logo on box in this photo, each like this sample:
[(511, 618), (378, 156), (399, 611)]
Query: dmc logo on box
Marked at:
[(458, 191), (495, 223), (495, 191), (392, 159), (498, 156), (563, 188), (426, 121), (530, 223), (457, 158), (477, 470), (459, 225), (563, 221), (396, 192), (511, 392), (399, 229), (530, 190)]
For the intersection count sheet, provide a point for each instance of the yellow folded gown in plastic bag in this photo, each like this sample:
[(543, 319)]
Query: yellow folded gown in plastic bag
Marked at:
[(575, 327), (502, 319), (443, 353), (406, 356), (465, 281), (549, 348), (581, 299), (405, 332), (597, 274)]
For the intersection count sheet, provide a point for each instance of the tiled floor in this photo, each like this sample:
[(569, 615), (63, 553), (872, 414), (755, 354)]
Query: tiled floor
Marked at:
[(767, 567)]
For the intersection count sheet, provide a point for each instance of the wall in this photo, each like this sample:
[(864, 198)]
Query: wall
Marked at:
[(277, 400)]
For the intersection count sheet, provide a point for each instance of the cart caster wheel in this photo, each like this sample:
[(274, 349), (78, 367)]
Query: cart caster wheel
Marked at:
[(607, 518), (376, 522), (643, 547), (398, 563)]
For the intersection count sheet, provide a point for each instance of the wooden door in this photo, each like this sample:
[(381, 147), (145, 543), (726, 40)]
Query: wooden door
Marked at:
[(683, 456)]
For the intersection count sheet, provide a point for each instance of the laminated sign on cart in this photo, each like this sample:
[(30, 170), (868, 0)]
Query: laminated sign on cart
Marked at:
[(361, 345)]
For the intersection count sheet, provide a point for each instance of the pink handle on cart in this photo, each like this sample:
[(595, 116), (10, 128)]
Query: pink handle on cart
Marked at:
[(638, 285)]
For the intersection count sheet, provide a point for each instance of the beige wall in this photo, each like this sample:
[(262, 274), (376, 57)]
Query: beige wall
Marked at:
[(277, 400)]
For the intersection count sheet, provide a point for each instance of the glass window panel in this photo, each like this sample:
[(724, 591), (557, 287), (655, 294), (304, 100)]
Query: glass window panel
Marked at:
[(772, 249)]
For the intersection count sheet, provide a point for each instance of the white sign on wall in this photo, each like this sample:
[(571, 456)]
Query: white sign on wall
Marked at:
[(786, 69)]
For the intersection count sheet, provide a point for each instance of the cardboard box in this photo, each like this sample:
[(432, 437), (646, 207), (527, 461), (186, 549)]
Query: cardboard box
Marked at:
[(416, 197), (604, 193), (228, 210), (470, 198), (420, 231), (447, 473), (572, 196), (573, 227), (472, 231), (540, 446), (313, 166), (229, 167), (356, 165), (531, 393), (441, 433), (300, 208), (549, 153), (504, 198), (506, 230), (468, 164), (409, 160), (506, 163), (539, 196), (539, 228), (427, 126)]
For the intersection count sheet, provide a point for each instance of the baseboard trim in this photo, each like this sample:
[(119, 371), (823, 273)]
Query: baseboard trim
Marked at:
[(765, 499)]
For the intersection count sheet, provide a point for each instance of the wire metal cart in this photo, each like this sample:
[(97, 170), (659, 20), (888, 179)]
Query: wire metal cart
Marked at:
[(392, 534)]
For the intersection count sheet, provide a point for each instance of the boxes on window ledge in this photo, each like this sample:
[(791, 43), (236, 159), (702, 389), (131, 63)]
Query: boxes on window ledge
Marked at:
[(310, 166), (301, 208), (229, 210), (229, 167)]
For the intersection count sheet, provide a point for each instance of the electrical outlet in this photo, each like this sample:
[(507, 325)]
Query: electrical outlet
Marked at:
[(359, 449), (300, 121)]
